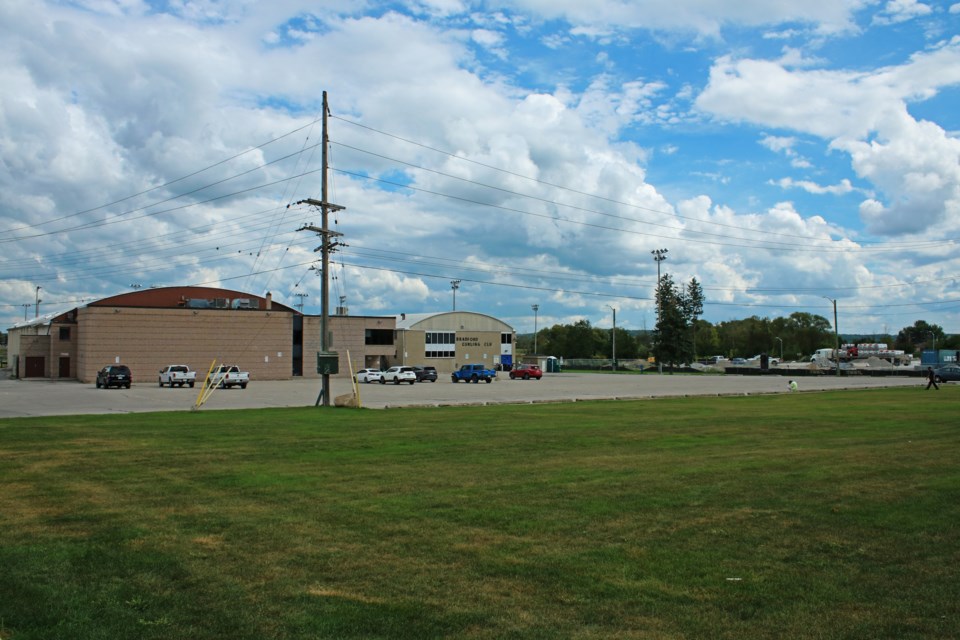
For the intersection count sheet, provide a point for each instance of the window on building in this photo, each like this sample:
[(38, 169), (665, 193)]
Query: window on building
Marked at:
[(378, 336), (64, 333), (440, 344), (506, 338)]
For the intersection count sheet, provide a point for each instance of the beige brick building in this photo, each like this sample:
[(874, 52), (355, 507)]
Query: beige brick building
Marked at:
[(147, 330), (451, 339)]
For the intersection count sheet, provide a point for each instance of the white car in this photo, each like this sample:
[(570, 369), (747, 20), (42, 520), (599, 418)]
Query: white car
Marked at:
[(369, 375), (396, 375)]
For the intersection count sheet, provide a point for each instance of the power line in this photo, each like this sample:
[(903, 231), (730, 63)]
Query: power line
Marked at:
[(161, 186), (926, 244)]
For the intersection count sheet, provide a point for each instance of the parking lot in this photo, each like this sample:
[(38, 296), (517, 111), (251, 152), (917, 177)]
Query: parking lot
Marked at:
[(20, 398)]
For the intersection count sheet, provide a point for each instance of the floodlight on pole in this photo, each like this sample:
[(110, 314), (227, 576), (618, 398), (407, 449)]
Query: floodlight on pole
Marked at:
[(535, 308), (454, 284), (300, 295), (659, 255)]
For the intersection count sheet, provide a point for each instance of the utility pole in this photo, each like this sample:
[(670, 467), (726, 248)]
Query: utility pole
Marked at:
[(455, 284), (325, 248), (36, 308)]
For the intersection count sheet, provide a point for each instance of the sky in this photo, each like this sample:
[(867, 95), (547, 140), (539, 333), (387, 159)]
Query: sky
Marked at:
[(787, 155)]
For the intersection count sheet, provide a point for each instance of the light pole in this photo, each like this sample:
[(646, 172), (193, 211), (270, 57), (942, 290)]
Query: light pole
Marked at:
[(454, 284), (836, 333), (934, 338), (781, 348), (614, 337), (659, 255), (300, 296), (36, 307), (535, 308)]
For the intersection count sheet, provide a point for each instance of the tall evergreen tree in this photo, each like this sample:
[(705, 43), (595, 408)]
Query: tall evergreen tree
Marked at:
[(692, 302), (672, 343)]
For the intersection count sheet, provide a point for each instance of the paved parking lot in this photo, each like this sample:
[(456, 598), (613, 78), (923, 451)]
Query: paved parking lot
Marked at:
[(20, 398)]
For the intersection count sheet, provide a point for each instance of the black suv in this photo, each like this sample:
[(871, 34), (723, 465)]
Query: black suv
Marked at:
[(114, 375), (425, 373)]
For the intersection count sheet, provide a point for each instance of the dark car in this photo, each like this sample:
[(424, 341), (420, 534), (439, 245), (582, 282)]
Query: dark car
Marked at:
[(948, 373), (526, 371), (426, 374), (114, 375)]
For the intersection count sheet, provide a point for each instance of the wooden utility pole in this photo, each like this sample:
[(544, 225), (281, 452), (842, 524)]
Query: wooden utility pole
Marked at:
[(325, 247)]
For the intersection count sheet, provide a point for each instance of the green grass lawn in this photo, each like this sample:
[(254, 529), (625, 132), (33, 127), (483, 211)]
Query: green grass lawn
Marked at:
[(827, 515)]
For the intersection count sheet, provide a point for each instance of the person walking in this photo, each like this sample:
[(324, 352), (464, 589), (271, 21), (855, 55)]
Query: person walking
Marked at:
[(932, 377)]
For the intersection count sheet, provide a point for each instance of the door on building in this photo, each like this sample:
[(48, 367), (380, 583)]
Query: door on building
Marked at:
[(297, 346), (64, 367), (35, 367)]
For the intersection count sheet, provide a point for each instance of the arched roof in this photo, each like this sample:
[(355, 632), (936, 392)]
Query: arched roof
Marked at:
[(451, 321), (179, 297)]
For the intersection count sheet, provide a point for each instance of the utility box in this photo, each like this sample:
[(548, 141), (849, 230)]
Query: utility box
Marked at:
[(328, 364)]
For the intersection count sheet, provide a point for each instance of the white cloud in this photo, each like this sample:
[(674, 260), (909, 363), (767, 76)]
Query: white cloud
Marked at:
[(842, 188), (162, 95), (897, 11), (779, 144), (913, 163), (703, 16)]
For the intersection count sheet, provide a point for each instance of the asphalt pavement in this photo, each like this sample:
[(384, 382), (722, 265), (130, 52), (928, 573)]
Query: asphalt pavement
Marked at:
[(33, 397)]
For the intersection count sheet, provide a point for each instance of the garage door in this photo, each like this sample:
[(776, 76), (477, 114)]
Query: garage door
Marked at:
[(35, 367)]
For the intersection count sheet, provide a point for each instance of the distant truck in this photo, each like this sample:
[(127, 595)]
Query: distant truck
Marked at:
[(863, 351), (177, 374), (229, 375), (473, 373)]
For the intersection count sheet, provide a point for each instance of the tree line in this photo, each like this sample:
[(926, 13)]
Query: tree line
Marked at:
[(681, 336)]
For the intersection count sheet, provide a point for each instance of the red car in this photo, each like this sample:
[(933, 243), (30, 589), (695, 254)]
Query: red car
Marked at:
[(526, 371)]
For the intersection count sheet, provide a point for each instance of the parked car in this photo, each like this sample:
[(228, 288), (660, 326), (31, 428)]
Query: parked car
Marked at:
[(526, 371), (177, 374), (396, 375), (369, 375), (473, 373), (948, 373), (425, 374), (738, 361), (114, 375), (230, 375)]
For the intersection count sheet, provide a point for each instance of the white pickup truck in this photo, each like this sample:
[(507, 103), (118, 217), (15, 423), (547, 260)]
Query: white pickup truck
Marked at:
[(177, 375), (229, 375)]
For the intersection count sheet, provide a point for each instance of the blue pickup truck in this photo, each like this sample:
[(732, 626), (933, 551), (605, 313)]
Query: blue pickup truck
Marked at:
[(473, 373)]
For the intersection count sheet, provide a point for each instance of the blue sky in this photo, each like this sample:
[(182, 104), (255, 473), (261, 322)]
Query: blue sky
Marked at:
[(536, 150)]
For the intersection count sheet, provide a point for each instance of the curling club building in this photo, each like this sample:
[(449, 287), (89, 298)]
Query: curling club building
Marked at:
[(149, 329)]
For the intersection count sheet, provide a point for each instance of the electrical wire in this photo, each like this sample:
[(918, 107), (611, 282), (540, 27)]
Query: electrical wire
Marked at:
[(927, 244), (161, 186)]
